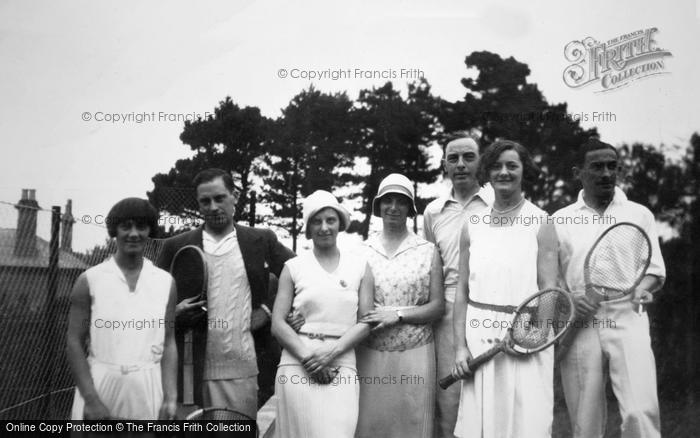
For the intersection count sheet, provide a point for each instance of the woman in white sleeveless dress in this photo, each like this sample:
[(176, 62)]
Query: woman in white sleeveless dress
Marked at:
[(125, 306), (507, 253), (317, 386)]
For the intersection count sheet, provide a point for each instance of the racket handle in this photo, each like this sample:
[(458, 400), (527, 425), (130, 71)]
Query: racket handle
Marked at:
[(486, 356), (447, 381), (474, 363)]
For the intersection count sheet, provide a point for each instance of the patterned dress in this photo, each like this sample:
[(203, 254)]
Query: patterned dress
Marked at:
[(397, 364)]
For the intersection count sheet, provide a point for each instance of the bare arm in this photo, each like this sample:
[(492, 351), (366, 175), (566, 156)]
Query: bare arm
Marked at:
[(168, 363), (285, 334), (644, 293), (360, 330), (459, 321), (78, 331), (656, 272), (435, 308), (278, 255), (324, 355), (432, 310)]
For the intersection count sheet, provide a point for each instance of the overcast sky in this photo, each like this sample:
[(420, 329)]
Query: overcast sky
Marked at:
[(60, 60)]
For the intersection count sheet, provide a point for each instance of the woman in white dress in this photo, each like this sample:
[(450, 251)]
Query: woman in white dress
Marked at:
[(396, 362), (125, 306), (507, 253), (316, 384)]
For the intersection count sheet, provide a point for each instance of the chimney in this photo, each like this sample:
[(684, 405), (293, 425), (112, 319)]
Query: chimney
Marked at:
[(25, 240), (67, 222)]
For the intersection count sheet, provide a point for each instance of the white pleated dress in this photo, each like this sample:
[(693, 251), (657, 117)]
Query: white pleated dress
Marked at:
[(127, 333), (328, 302), (509, 396)]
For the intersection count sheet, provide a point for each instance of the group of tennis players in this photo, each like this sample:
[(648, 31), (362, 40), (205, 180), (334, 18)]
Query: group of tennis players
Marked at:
[(367, 331)]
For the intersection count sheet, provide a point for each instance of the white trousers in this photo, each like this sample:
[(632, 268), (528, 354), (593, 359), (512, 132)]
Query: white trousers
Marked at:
[(616, 340)]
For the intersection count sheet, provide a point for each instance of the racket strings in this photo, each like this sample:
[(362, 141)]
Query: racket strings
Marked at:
[(540, 321), (618, 261), (218, 414), (189, 271)]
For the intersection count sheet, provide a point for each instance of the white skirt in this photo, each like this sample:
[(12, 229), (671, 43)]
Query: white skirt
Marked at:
[(135, 394), (509, 396), (311, 410)]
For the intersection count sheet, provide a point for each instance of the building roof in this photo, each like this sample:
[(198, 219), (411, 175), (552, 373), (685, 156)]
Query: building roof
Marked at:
[(66, 260)]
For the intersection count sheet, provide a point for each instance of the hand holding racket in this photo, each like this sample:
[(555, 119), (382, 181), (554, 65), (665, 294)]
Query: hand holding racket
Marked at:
[(613, 268), (167, 411), (189, 269), (538, 322)]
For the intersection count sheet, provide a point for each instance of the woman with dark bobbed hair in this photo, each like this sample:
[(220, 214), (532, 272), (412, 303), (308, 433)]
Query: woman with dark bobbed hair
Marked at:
[(507, 252), (125, 307)]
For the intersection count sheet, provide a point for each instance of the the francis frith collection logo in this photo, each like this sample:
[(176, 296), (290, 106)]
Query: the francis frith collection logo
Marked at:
[(616, 62)]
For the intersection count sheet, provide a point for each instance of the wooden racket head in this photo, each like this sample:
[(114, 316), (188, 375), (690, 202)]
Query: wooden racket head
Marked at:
[(617, 262), (538, 322), (217, 414), (189, 269), (541, 320)]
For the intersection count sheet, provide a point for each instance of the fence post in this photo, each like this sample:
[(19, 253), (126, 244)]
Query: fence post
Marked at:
[(49, 312)]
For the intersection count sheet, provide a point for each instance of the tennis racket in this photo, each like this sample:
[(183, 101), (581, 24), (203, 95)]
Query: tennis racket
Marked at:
[(613, 268), (214, 414), (189, 269), (538, 322)]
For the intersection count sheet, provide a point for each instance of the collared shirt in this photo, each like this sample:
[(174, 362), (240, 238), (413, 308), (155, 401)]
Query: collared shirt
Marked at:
[(578, 226), (219, 247), (442, 222)]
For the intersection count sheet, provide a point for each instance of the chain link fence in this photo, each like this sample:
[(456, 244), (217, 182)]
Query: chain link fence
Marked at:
[(38, 267)]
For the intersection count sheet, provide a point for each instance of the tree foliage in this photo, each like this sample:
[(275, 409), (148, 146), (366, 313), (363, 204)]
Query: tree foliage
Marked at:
[(313, 137), (231, 139), (500, 103), (395, 134), (319, 140)]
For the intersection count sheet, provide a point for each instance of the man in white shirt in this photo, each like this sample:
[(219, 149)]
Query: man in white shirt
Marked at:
[(442, 222), (614, 337), (229, 340)]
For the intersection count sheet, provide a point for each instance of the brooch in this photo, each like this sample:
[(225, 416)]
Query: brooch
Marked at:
[(343, 283)]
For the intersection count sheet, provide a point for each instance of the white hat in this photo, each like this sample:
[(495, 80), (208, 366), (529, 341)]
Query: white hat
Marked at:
[(394, 183), (319, 200)]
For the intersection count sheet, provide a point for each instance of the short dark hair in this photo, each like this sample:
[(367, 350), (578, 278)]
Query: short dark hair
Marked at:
[(592, 144), (456, 135), (132, 209), (208, 175), (530, 170)]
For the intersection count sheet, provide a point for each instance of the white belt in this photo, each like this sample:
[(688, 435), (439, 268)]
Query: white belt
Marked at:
[(123, 368)]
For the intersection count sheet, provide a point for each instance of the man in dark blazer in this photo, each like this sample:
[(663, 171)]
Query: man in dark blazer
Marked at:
[(239, 303)]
